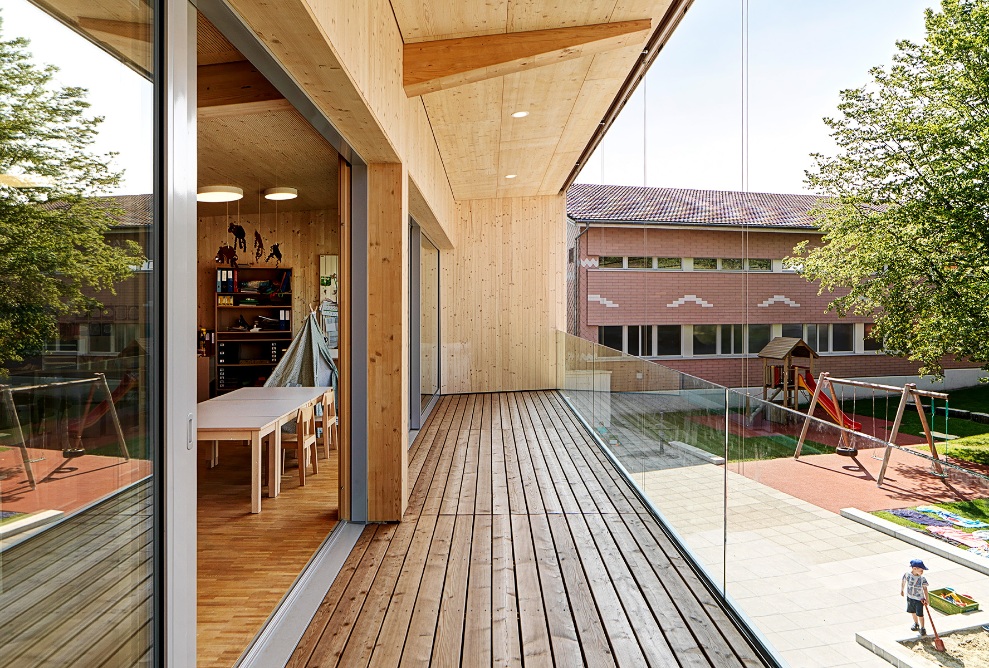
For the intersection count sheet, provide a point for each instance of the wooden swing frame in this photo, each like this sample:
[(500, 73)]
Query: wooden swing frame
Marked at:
[(907, 392)]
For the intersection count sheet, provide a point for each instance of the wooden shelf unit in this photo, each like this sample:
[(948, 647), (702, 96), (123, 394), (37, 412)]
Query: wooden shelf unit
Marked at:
[(245, 358)]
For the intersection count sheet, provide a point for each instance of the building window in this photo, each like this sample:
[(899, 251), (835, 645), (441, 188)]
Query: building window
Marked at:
[(610, 262), (101, 337), (842, 338), (640, 340), (871, 344), (730, 339), (759, 336), (759, 264), (669, 340), (669, 263), (731, 264), (793, 331), (639, 263), (610, 336), (705, 339), (705, 263), (67, 340)]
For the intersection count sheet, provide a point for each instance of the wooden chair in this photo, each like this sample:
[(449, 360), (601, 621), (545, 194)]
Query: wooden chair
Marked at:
[(329, 422), (303, 441)]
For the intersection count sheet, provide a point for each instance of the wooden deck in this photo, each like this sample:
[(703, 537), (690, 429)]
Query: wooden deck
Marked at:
[(79, 593), (521, 545)]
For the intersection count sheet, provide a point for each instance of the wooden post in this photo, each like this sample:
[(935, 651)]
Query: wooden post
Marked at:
[(927, 432), (8, 398), (810, 412), (896, 428), (387, 341), (114, 417)]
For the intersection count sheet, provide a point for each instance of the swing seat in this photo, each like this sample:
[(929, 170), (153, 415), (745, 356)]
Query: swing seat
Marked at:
[(69, 453), (846, 452)]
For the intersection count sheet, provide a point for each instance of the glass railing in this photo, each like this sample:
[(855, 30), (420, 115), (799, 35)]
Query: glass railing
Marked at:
[(792, 543)]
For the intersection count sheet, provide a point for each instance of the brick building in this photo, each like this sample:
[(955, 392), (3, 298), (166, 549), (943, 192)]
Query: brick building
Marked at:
[(695, 279)]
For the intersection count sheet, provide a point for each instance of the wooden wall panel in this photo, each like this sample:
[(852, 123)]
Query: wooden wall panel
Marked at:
[(388, 342), (302, 236), (503, 295)]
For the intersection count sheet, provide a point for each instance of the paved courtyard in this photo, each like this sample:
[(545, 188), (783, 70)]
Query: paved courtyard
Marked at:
[(809, 579)]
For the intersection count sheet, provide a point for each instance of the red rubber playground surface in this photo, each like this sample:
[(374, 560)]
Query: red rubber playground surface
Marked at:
[(834, 482)]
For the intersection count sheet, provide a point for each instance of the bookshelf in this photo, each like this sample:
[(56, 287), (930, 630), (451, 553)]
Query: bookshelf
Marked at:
[(253, 324)]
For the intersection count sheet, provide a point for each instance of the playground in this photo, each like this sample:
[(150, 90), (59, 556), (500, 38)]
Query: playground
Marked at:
[(876, 464)]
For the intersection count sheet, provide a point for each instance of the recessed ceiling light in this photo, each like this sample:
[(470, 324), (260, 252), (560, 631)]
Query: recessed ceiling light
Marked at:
[(219, 194), (281, 193), (520, 114), (510, 176)]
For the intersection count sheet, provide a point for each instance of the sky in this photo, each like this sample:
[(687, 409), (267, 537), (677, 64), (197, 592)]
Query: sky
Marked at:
[(116, 92), (802, 53)]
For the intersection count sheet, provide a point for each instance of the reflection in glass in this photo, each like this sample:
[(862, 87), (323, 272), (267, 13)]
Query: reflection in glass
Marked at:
[(429, 321), (76, 338)]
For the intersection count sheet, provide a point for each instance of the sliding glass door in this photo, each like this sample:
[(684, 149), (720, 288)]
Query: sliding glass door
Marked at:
[(424, 300)]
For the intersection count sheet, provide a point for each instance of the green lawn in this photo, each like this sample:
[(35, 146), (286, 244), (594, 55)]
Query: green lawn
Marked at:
[(970, 398), (680, 427), (971, 449)]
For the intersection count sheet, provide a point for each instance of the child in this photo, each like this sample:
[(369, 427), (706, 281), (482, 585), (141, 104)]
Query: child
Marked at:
[(915, 585)]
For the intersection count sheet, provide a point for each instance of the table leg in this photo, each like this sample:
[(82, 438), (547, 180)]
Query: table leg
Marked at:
[(214, 454), (274, 463), (256, 472)]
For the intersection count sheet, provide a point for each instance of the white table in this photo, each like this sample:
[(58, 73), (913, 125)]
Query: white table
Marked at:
[(250, 414)]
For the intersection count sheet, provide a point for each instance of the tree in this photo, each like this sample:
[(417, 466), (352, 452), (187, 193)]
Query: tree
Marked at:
[(53, 250), (906, 222)]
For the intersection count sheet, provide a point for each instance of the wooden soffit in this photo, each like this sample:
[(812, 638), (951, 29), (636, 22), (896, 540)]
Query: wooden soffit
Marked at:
[(477, 84)]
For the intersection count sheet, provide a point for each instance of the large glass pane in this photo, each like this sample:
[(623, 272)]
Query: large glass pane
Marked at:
[(429, 320), (669, 340), (78, 337), (610, 336), (758, 337), (705, 339)]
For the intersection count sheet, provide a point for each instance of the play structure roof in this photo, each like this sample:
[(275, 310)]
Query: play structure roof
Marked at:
[(785, 346)]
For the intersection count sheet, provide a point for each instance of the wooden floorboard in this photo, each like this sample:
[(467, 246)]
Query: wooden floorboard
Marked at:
[(522, 546), (95, 565)]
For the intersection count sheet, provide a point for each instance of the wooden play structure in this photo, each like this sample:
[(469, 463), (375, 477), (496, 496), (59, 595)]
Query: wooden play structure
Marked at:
[(783, 359), (908, 394), (68, 431)]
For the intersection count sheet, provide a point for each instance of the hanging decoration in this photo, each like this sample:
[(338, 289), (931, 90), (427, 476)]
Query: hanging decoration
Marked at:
[(258, 246), (226, 255), (240, 236), (275, 253)]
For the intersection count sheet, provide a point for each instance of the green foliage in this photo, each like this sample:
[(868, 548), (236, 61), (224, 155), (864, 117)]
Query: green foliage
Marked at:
[(905, 226), (973, 449), (53, 252)]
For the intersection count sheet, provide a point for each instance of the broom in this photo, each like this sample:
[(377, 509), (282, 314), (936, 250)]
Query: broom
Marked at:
[(938, 643)]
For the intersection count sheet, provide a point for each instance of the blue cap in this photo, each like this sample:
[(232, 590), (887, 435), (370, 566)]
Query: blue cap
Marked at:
[(917, 563)]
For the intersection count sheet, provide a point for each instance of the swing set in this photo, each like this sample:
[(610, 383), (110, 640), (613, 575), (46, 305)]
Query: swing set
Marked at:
[(71, 432), (847, 448)]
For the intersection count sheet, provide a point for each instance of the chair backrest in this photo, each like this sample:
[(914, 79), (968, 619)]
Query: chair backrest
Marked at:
[(305, 424)]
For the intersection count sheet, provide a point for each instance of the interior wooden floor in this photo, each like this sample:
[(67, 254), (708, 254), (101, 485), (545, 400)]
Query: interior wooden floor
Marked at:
[(521, 545), (248, 562)]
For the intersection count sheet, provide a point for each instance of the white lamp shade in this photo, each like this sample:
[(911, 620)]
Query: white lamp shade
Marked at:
[(219, 194), (281, 193)]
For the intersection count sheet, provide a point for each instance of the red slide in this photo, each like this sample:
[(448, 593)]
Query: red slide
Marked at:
[(807, 380)]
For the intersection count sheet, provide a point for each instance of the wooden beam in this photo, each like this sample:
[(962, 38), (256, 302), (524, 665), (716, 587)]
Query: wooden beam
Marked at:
[(244, 108), (446, 63), (233, 84), (129, 29)]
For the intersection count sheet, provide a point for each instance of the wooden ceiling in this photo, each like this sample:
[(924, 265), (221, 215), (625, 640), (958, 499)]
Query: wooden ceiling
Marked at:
[(252, 138), (479, 140)]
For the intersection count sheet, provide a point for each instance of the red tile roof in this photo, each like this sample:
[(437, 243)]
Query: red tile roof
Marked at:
[(588, 201)]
